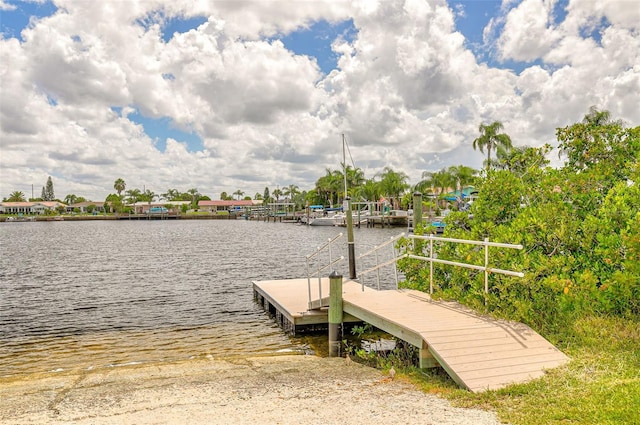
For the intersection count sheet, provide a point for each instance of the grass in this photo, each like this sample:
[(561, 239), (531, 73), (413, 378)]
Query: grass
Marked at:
[(600, 385)]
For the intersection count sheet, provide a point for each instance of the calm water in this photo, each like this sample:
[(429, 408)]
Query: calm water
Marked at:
[(103, 293)]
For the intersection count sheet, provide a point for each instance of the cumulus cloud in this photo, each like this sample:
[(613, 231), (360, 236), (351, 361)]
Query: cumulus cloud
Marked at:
[(407, 92)]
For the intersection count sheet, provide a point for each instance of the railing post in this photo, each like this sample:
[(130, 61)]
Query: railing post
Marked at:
[(417, 210), (486, 270), (430, 264), (378, 270), (308, 279), (394, 253), (319, 277), (335, 314)]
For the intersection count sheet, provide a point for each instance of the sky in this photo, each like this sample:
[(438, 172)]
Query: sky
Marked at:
[(241, 95)]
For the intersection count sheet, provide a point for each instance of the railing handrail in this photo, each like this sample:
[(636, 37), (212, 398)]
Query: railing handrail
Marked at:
[(326, 245), (467, 241), (322, 247), (378, 266), (375, 248), (431, 259)]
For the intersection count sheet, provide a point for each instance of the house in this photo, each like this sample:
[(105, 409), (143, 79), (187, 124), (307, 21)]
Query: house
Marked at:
[(84, 207), (38, 207), (232, 205), (145, 207)]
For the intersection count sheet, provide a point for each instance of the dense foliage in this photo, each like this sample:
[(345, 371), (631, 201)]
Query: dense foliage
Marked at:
[(579, 225)]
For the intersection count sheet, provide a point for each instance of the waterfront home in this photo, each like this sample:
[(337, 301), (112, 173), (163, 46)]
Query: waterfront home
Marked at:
[(145, 207), (84, 207), (227, 205), (38, 207)]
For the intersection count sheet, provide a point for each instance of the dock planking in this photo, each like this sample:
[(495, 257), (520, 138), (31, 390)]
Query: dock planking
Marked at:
[(478, 352)]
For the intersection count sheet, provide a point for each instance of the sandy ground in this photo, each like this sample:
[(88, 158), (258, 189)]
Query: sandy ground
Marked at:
[(258, 390)]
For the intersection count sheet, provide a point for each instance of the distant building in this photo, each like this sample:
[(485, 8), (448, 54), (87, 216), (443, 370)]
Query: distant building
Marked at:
[(38, 207), (145, 207), (231, 205), (83, 207)]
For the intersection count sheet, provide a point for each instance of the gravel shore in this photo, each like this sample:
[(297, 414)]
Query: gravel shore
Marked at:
[(292, 389)]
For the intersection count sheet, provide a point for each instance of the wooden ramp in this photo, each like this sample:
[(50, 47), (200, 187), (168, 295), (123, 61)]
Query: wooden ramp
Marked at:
[(478, 352)]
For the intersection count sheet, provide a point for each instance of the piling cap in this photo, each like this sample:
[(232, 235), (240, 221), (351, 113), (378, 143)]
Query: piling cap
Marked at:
[(335, 275)]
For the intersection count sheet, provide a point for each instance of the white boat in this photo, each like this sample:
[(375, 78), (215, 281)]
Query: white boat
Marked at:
[(337, 219)]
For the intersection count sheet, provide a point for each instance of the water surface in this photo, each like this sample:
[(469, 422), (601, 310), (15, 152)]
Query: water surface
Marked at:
[(103, 293)]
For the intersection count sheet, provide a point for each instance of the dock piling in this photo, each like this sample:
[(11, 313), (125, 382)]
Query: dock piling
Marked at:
[(335, 314)]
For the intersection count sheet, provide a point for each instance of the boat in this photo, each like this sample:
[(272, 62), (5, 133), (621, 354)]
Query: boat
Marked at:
[(330, 217)]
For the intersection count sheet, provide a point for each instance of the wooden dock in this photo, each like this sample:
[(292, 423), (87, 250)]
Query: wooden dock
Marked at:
[(478, 352)]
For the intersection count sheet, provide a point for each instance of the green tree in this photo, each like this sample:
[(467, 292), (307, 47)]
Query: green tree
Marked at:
[(277, 194), (172, 195), (355, 179), (15, 196), (195, 196), (490, 138), (265, 195), (133, 196), (70, 199), (239, 193), (521, 160), (148, 196), (119, 185), (291, 191), (370, 190), (393, 185), (47, 191)]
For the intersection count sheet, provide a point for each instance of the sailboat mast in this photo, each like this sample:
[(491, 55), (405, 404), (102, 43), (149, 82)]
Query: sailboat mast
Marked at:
[(349, 218), (344, 165)]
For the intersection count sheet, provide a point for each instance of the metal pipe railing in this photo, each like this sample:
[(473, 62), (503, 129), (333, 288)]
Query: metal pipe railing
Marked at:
[(327, 246), (378, 266), (484, 267)]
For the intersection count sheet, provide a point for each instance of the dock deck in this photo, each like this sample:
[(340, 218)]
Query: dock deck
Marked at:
[(478, 352)]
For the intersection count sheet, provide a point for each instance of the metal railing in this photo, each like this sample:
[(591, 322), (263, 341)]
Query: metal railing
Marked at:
[(379, 265), (320, 267), (432, 259)]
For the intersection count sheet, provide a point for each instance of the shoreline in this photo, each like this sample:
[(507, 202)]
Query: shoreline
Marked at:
[(280, 389)]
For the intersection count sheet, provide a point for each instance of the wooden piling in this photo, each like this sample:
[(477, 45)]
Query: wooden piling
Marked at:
[(335, 314)]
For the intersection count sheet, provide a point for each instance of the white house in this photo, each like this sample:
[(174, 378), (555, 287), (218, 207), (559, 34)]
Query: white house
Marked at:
[(38, 207)]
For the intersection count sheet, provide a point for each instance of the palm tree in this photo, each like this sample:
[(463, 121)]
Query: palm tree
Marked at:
[(171, 195), (16, 196), (148, 196), (70, 199), (291, 191), (490, 138), (355, 179), (133, 195), (597, 117), (393, 184), (463, 176), (329, 184), (369, 190), (277, 194), (438, 182), (239, 193), (119, 186), (194, 195)]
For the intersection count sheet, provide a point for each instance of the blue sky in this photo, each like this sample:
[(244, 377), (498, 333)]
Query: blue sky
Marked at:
[(226, 107)]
